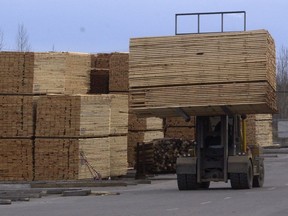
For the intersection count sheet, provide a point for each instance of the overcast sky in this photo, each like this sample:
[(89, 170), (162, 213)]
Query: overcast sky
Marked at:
[(106, 25)]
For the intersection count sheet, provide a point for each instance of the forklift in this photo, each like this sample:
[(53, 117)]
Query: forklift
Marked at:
[(221, 153)]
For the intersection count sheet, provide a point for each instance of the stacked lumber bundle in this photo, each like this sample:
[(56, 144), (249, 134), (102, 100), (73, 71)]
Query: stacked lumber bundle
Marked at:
[(119, 114), (77, 74), (16, 160), (16, 72), (73, 116), (109, 73), (91, 128), (159, 156), (16, 116), (176, 127), (118, 155), (259, 130), (56, 159), (118, 72), (95, 152), (142, 130), (204, 74)]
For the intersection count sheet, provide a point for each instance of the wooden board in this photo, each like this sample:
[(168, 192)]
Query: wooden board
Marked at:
[(16, 161), (97, 154), (118, 155), (56, 159), (202, 72), (16, 116)]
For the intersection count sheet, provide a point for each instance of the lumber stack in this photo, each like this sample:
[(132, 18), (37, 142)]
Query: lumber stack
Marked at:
[(204, 74), (259, 130), (142, 130), (159, 156), (176, 127), (16, 72), (56, 159), (89, 129), (16, 116), (73, 116), (16, 160), (109, 73)]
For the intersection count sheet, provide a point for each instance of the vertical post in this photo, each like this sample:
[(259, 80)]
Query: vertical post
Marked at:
[(244, 135), (222, 22), (175, 24), (244, 21), (198, 23), (224, 140)]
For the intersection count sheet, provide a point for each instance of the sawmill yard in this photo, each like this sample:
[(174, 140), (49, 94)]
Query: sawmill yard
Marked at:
[(78, 117)]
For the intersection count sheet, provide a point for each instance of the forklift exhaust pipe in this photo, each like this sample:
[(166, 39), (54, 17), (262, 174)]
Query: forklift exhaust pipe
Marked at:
[(183, 114)]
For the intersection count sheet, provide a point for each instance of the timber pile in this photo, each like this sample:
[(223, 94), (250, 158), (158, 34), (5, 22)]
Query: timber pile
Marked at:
[(16, 159), (176, 127), (142, 130), (56, 159), (73, 116), (16, 116), (41, 73), (259, 130), (109, 73), (118, 155), (159, 156), (95, 152), (16, 72), (118, 72), (203, 73)]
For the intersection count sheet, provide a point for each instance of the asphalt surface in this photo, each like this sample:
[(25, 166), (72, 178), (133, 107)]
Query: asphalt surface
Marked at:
[(162, 197)]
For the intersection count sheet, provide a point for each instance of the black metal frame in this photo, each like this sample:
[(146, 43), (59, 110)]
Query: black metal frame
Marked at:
[(208, 13)]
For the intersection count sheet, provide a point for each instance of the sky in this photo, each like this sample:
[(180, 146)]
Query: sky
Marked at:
[(96, 26)]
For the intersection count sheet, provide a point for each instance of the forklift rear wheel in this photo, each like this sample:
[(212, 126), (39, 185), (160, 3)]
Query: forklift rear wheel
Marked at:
[(242, 180), (205, 185), (187, 181), (258, 180)]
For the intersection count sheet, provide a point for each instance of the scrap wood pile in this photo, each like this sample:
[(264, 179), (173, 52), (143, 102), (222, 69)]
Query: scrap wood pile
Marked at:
[(159, 155), (204, 74)]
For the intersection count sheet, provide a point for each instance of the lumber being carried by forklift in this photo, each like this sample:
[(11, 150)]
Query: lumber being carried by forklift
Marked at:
[(221, 153)]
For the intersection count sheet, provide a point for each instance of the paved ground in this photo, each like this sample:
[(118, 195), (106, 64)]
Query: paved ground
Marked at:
[(162, 198)]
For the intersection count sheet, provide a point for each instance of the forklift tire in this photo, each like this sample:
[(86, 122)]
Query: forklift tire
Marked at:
[(205, 185), (187, 182), (181, 181), (258, 181), (242, 180)]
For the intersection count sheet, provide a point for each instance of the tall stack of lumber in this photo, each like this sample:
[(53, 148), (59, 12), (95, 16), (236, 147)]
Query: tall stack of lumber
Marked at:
[(259, 130), (16, 119), (177, 127), (204, 74), (142, 130), (86, 130), (159, 156)]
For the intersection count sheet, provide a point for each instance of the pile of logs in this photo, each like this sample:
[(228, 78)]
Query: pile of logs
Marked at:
[(204, 74), (159, 156)]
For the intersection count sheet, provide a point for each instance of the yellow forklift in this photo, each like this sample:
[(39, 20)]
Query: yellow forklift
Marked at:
[(221, 153)]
